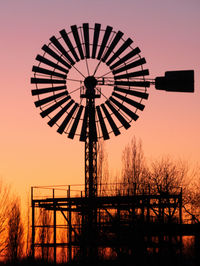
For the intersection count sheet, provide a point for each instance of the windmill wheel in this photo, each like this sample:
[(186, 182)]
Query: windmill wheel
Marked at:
[(90, 60)]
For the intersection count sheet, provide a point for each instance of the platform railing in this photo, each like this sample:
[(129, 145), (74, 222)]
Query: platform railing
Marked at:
[(108, 189)]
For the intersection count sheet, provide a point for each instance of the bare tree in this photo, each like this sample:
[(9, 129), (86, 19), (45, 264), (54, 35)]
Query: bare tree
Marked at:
[(63, 251), (102, 168), (134, 168), (27, 233), (44, 235), (4, 209), (167, 175), (15, 233), (192, 199)]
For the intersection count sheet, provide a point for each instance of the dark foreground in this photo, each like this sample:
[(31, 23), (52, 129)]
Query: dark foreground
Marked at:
[(186, 261)]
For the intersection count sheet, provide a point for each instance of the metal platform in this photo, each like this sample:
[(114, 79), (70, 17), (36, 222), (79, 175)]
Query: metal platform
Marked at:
[(127, 222)]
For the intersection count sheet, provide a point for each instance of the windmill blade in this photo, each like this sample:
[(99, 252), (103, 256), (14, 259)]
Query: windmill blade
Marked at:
[(125, 45), (110, 120), (77, 40), (139, 94), (50, 63), (102, 124), (125, 109), (126, 57), (97, 28), (69, 44), (59, 46), (48, 72), (112, 45), (66, 120), (129, 101), (54, 55), (84, 125), (86, 38), (60, 113), (47, 81), (104, 41), (54, 107), (140, 73), (75, 124), (47, 90), (50, 98), (118, 115), (133, 83), (129, 66)]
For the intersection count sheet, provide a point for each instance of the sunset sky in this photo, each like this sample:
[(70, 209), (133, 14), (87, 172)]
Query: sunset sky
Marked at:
[(168, 34)]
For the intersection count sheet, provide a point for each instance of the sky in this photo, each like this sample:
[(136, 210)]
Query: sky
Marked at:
[(168, 35)]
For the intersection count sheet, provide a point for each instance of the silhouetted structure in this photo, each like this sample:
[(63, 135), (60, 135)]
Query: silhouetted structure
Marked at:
[(130, 225), (101, 217)]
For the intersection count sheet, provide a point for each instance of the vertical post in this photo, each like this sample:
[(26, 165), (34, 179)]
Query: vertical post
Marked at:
[(54, 227), (160, 234), (90, 219), (180, 207), (90, 153), (180, 221), (33, 224), (70, 227)]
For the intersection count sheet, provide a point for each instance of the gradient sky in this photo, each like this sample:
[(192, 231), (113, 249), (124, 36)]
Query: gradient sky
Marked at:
[(168, 34)]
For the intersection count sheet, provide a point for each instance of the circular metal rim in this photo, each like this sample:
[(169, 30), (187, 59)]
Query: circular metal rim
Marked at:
[(100, 60)]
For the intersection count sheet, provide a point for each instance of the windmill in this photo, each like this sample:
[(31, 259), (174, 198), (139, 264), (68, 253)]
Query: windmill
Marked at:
[(91, 83)]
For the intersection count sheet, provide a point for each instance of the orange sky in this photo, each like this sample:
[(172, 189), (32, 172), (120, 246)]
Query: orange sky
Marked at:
[(167, 32)]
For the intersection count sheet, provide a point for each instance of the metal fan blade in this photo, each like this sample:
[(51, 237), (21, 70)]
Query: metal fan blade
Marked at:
[(66, 120), (129, 66), (126, 57), (50, 98), (118, 115), (139, 94), (54, 55), (104, 41), (110, 120), (47, 90), (60, 113), (75, 124), (102, 124), (59, 46), (69, 44), (47, 81), (129, 101), (77, 40), (126, 44), (112, 45), (86, 38), (48, 72), (133, 83), (84, 125), (97, 28), (144, 72), (125, 109), (50, 63), (54, 107)]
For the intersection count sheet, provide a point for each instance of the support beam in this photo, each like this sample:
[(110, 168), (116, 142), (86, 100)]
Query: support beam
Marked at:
[(54, 228), (70, 228), (33, 225)]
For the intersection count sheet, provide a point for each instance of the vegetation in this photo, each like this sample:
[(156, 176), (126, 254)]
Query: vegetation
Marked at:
[(163, 176)]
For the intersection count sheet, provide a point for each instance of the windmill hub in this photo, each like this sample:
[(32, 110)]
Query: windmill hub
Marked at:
[(90, 82)]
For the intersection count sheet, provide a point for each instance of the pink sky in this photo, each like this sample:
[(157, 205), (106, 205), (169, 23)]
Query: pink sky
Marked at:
[(168, 34)]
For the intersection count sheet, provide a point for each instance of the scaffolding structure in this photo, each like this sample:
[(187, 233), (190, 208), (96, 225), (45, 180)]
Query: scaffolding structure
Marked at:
[(128, 223)]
